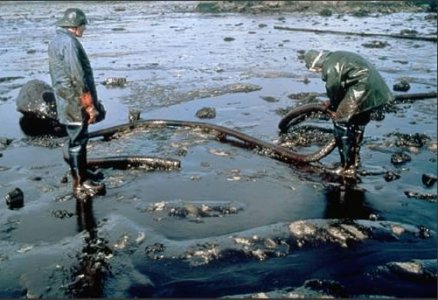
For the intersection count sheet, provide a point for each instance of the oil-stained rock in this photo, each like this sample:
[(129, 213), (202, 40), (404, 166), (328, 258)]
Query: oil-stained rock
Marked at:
[(400, 158), (206, 113), (36, 100), (424, 270), (281, 239), (428, 179), (402, 86), (4, 142), (421, 196), (376, 44)]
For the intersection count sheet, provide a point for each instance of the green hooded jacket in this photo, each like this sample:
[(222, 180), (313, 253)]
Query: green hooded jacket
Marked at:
[(352, 83), (71, 76)]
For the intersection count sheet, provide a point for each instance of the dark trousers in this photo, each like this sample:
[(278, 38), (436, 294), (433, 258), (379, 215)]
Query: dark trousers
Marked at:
[(349, 135), (76, 150)]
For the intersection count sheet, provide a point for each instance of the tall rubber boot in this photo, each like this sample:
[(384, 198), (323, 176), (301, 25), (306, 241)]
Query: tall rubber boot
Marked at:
[(93, 187), (342, 142), (93, 175), (358, 136), (81, 184), (79, 192), (344, 137)]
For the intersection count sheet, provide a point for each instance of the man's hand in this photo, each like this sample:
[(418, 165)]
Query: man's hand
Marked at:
[(326, 105), (87, 103), (92, 114), (86, 99)]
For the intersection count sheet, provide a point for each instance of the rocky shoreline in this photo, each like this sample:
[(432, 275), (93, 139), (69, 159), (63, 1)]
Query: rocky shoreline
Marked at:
[(325, 8)]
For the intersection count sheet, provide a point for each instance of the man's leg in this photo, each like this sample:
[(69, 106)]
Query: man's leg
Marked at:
[(345, 140), (358, 124), (77, 159)]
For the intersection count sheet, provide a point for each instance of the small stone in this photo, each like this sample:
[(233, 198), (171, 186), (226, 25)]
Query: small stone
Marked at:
[(206, 113), (14, 199), (428, 180), (134, 115), (402, 86)]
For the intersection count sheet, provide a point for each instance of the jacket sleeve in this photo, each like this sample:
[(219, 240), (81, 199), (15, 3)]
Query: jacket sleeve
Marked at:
[(76, 72), (333, 83), (355, 84)]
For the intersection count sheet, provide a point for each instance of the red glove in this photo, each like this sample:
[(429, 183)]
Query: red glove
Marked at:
[(86, 99), (87, 103)]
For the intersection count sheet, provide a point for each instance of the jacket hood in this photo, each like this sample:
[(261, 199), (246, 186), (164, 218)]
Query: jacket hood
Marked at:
[(315, 59)]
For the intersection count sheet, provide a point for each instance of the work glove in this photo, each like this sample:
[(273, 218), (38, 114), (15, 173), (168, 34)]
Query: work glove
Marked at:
[(92, 114), (87, 103), (326, 106)]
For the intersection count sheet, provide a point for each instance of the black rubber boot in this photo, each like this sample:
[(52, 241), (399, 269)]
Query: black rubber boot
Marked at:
[(94, 175), (345, 141), (81, 184), (358, 138)]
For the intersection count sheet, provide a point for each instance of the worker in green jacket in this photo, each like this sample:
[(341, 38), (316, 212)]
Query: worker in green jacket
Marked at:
[(76, 97), (355, 89)]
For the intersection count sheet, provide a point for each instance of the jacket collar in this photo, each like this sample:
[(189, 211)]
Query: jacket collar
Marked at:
[(65, 31)]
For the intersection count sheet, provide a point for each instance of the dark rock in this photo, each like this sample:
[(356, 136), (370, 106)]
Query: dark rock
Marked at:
[(206, 113), (327, 287), (400, 158), (64, 179), (270, 99), (37, 100), (402, 86), (428, 179), (420, 196), (390, 176), (134, 115), (376, 44), (4, 142), (115, 82), (408, 32), (14, 199), (417, 140)]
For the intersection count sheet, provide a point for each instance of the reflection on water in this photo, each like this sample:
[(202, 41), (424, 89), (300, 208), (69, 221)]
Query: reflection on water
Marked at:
[(86, 220), (346, 201), (88, 275), (40, 127)]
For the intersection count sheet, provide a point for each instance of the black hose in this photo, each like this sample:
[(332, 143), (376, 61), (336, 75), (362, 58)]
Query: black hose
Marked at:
[(125, 162), (416, 96), (274, 151)]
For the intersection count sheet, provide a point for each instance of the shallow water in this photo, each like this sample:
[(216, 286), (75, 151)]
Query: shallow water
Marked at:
[(168, 53)]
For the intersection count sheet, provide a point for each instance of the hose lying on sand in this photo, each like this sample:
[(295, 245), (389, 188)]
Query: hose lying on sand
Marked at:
[(299, 114), (224, 134), (277, 152), (416, 96), (125, 162), (132, 161)]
